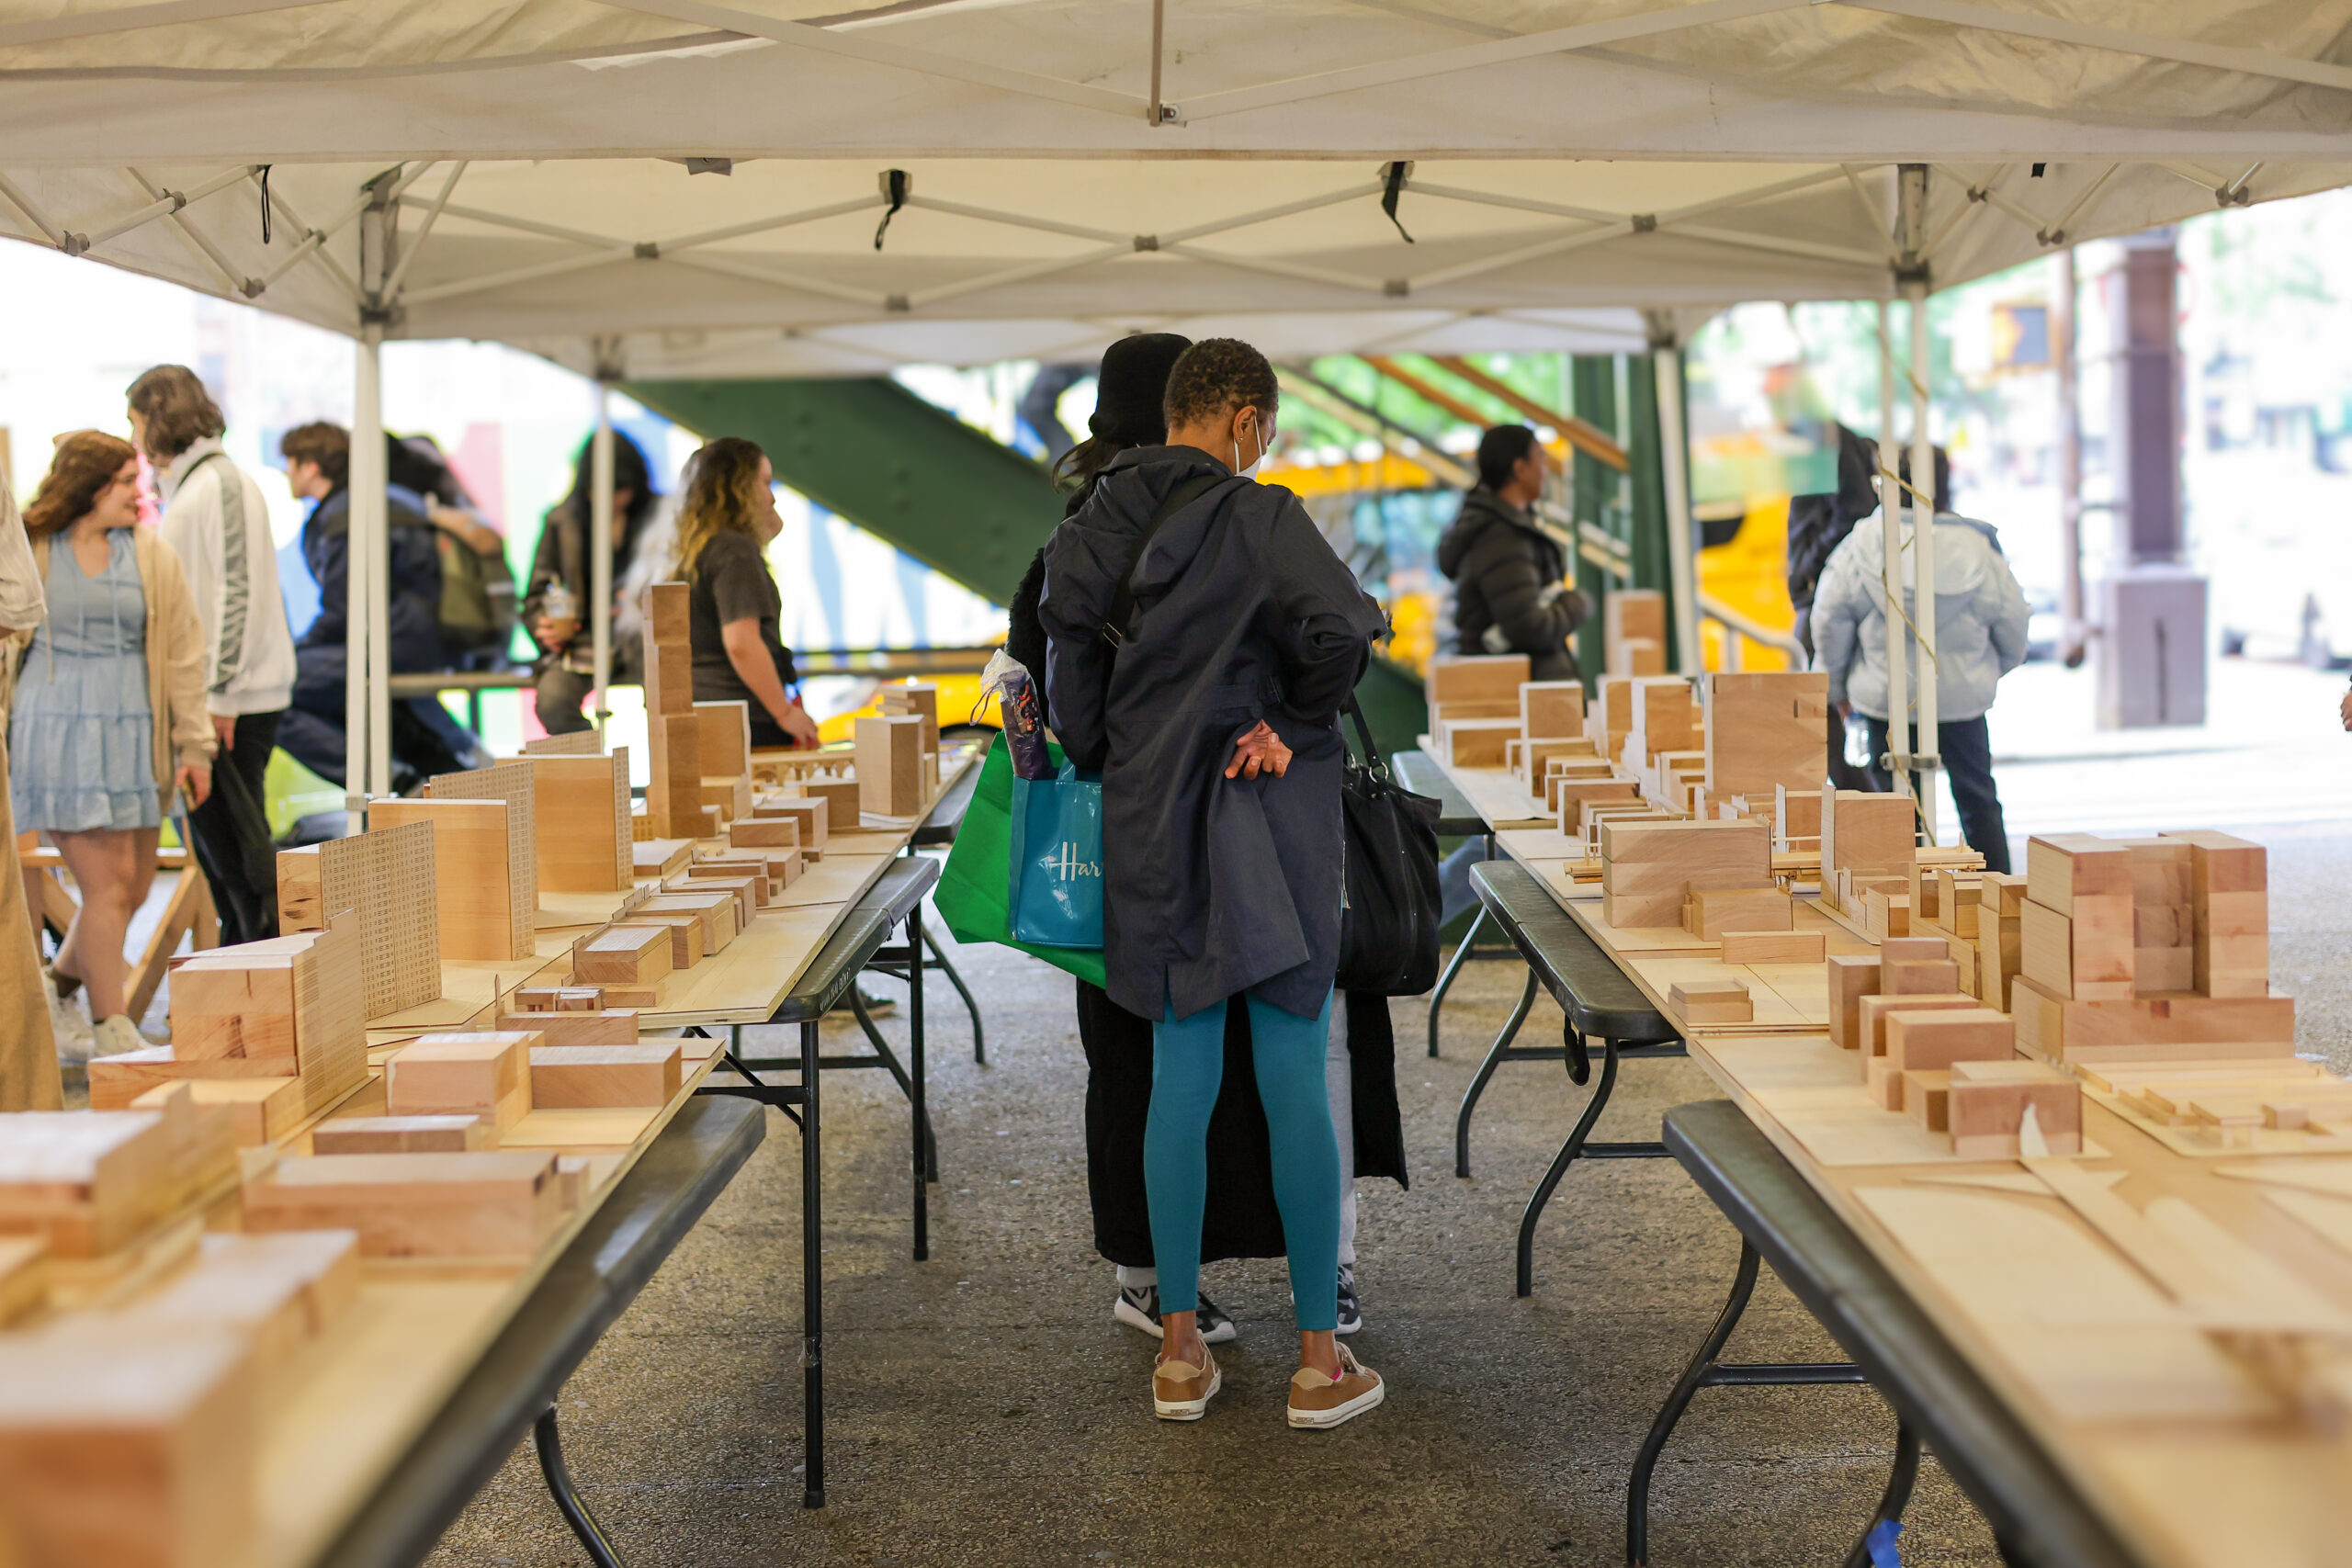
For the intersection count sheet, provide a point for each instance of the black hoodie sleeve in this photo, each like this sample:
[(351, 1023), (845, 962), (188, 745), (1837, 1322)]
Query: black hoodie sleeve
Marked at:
[(1328, 621), (1505, 563), (1025, 632)]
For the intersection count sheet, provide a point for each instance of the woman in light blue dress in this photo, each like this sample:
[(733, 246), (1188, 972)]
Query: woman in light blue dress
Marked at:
[(112, 681)]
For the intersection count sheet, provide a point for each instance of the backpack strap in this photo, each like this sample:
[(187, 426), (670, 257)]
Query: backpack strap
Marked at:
[(1123, 601)]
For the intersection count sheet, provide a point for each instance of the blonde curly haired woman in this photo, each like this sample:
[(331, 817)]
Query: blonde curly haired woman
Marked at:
[(727, 516)]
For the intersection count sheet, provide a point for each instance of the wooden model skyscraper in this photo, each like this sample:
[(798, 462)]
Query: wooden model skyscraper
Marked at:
[(674, 790)]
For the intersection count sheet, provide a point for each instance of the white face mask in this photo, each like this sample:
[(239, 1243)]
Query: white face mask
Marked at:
[(1260, 461)]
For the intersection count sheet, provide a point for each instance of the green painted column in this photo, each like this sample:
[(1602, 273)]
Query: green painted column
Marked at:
[(1651, 567), (1593, 387)]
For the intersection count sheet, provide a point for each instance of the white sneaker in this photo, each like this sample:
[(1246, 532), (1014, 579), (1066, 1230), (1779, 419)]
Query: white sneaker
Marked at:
[(115, 1035), (76, 1041)]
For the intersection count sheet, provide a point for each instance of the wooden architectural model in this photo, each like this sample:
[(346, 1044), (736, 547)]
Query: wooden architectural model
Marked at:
[(581, 820), (1648, 869), (890, 767), (496, 1203), (723, 735), (1632, 632), (673, 734), (91, 1182), (387, 878), (583, 1076), (1764, 732), (1864, 837), (915, 699), (485, 1074)]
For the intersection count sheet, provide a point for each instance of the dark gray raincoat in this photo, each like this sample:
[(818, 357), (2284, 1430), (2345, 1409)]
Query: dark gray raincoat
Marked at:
[(1211, 887)]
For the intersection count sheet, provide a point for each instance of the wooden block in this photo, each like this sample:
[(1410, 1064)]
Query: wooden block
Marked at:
[(1908, 949), (1634, 910), (1865, 834), (1886, 915), (578, 743), (685, 933), (2086, 955), (716, 908), (730, 797), (1920, 889), (1997, 891), (1470, 678), (1710, 1002), (128, 1451), (1989, 1099), (577, 1077), (1443, 714), (558, 999), (623, 955), (1796, 813), (606, 1026), (840, 794), (1774, 946), (227, 1003), (499, 1203), (670, 678), (2075, 1029), (889, 766), (1633, 630), (811, 816), (486, 1075), (1852, 977), (1569, 796), (764, 832), (24, 1276), (448, 1133), (1464, 742), (1765, 729), (262, 1111), (581, 822), (1938, 1037), (674, 778), (917, 699), (1871, 1013), (1714, 911), (749, 890), (485, 901), (2061, 867), (1927, 1095), (668, 612), (1918, 978), (1551, 709), (387, 878), (2156, 970), (724, 736), (660, 858), (1957, 897)]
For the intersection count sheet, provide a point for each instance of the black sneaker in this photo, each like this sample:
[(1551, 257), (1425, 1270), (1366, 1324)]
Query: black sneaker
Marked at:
[(1350, 1310), (1138, 1307)]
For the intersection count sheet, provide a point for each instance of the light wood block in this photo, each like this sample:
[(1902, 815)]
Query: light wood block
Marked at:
[(499, 1203), (623, 955), (262, 1111), (1852, 977), (1871, 1013), (668, 612), (1712, 911), (484, 893), (558, 999), (724, 738), (1918, 978), (441, 1134), (750, 891), (2060, 867), (580, 1076), (915, 699), (485, 1074), (1926, 1097), (387, 878), (674, 782), (840, 794), (1453, 678), (1989, 1099), (717, 911), (1710, 1002), (1774, 946), (1633, 630), (764, 832), (812, 816), (1866, 834), (1608, 717), (729, 795), (685, 933), (228, 1002), (1550, 710), (1471, 742), (2075, 1029), (658, 858), (581, 822), (606, 1026), (2086, 955), (1958, 896), (24, 1276), (889, 766), (1766, 730), (1569, 795)]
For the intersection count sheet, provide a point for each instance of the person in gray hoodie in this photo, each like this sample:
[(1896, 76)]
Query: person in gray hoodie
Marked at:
[(1980, 637)]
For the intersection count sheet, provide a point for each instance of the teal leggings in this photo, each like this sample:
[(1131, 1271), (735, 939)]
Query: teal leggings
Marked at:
[(1187, 1065)]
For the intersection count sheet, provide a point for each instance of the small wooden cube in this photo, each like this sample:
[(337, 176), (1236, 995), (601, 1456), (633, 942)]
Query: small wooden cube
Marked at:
[(579, 1077), (485, 1074), (1989, 1100), (1918, 978), (1852, 977), (1712, 1001), (1775, 946), (623, 955), (1927, 1095)]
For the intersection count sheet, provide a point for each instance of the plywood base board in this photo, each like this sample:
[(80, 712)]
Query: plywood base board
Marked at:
[(576, 1130), (2198, 1143)]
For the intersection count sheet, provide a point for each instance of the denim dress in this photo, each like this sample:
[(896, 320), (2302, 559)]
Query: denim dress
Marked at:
[(82, 737)]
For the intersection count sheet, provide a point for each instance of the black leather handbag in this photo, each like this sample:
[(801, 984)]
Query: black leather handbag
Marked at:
[(1389, 918)]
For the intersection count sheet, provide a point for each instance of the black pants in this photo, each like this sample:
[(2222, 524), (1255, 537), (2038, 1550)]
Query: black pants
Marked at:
[(229, 833), (1967, 748)]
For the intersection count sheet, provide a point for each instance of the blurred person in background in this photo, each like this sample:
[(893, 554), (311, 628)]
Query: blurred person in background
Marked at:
[(557, 605), (1511, 594), (317, 469), (727, 516), (217, 522), (29, 1075), (1980, 637), (1817, 526), (109, 720)]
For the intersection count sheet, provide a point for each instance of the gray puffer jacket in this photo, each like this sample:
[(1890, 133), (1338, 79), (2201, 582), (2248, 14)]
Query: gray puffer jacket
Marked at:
[(1509, 596), (1979, 619)]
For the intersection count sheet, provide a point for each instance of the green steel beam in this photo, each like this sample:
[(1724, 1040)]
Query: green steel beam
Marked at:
[(1592, 382), (1652, 567), (870, 450)]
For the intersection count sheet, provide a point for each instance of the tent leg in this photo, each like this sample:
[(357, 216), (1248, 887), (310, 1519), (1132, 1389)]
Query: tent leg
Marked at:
[(1890, 521), (1675, 454), (1925, 504), (600, 550), (367, 481)]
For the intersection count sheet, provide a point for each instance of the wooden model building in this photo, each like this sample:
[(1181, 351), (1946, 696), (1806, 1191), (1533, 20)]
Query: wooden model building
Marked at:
[(1648, 869), (87, 1183), (581, 817), (1632, 632), (673, 792), (485, 856), (385, 878), (1864, 837), (1765, 732), (493, 1202), (890, 767), (486, 1075), (916, 699), (723, 735)]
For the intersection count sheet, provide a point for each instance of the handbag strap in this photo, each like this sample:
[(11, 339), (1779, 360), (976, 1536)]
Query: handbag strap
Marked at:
[(1123, 601), (1364, 733)]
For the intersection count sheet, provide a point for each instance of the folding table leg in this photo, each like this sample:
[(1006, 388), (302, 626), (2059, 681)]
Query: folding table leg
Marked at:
[(1694, 1377), (1567, 1156), (924, 1155), (584, 1526), (980, 1041), (906, 1079), (812, 1271), (1453, 967), (1495, 1055), (1898, 1492)]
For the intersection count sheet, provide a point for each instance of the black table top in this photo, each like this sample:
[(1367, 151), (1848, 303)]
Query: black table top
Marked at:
[(1419, 771), (1975, 1436), (1599, 996)]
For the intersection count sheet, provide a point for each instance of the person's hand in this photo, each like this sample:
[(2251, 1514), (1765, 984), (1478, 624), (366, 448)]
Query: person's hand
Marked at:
[(801, 726), (195, 779), (1846, 711), (1260, 751), (224, 724)]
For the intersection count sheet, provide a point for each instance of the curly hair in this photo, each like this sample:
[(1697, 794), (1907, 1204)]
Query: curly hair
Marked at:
[(1219, 375), (324, 446), (85, 464), (721, 495), (178, 411)]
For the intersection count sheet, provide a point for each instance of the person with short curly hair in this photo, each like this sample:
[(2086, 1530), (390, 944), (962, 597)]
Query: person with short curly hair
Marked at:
[(1211, 708)]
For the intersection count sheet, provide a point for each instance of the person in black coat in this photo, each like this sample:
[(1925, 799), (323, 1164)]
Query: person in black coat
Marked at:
[(1818, 524), (1511, 592), (1214, 727), (1241, 1219)]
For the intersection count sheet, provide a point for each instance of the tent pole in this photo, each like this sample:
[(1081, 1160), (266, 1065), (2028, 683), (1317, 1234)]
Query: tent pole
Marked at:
[(600, 549), (1674, 456), (370, 539), (366, 480), (1924, 505), (1898, 759)]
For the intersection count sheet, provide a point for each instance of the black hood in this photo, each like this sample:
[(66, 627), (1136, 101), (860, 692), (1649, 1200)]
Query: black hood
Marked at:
[(1481, 509)]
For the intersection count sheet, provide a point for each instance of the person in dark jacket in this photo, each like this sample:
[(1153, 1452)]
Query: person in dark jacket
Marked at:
[(567, 667), (318, 469), (1216, 734), (1817, 526), (1510, 595), (1511, 592), (1241, 1219)]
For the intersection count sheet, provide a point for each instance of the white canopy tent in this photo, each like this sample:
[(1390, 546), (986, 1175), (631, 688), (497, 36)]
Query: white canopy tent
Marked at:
[(669, 188)]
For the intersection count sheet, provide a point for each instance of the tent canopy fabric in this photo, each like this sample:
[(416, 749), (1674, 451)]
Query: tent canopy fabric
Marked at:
[(669, 188)]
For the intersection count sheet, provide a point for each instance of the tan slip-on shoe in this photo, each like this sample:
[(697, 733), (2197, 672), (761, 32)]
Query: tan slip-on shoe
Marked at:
[(1181, 1392), (1318, 1400)]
